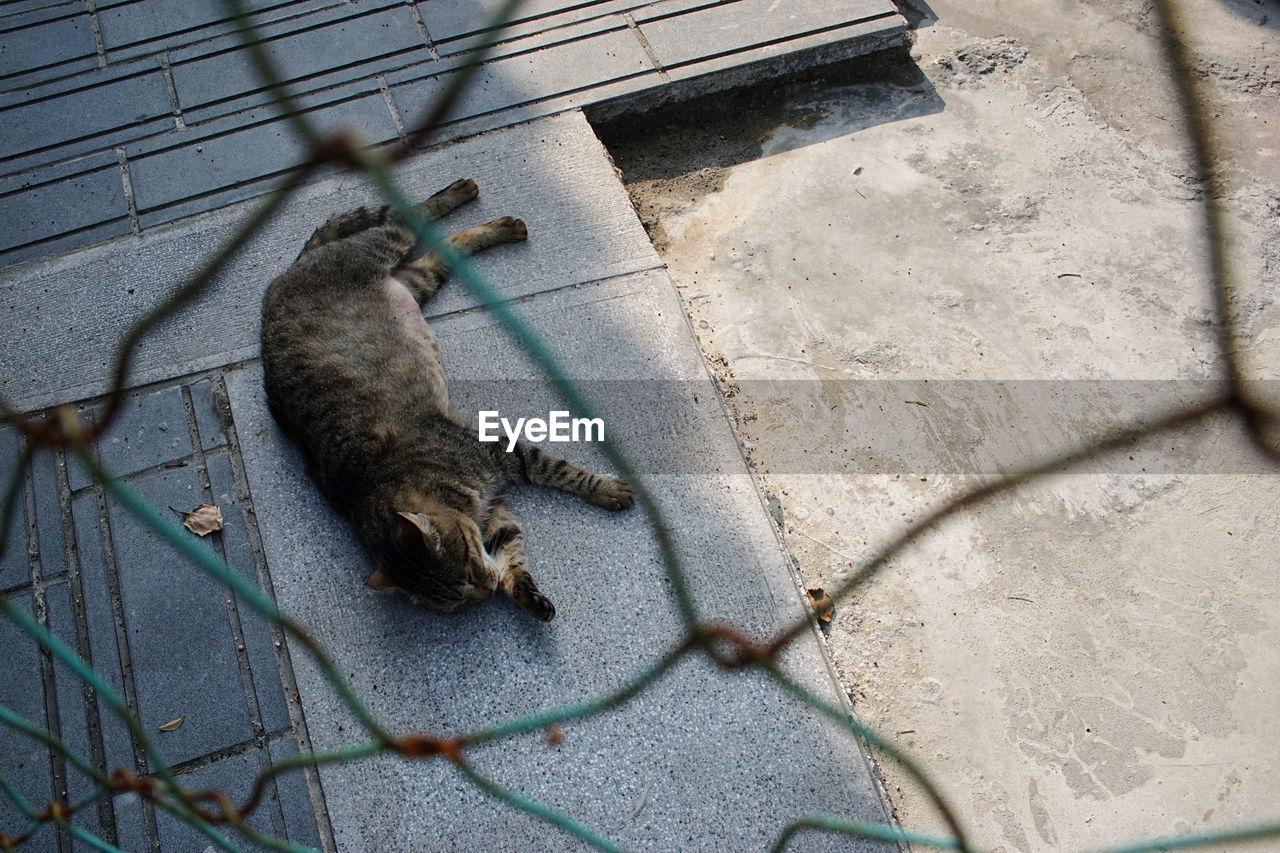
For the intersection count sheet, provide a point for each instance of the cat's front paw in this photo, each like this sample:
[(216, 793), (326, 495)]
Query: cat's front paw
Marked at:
[(539, 606), (613, 494), (531, 601)]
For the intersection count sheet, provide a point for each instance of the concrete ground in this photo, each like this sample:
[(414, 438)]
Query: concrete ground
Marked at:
[(945, 272), (704, 758)]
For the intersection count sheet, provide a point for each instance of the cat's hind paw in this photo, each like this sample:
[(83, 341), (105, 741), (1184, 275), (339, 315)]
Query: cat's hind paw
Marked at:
[(612, 494), (512, 230), (463, 190)]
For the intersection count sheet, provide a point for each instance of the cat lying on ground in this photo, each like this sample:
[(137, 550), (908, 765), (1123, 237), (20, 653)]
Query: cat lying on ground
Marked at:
[(353, 375)]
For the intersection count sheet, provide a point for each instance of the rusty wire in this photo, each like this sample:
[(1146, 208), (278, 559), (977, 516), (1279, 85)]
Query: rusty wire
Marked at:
[(209, 810)]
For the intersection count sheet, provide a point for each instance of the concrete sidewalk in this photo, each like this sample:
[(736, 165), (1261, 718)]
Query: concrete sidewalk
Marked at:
[(701, 760)]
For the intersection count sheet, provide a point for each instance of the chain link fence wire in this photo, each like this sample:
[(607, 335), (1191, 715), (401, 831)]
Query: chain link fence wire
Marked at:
[(213, 813)]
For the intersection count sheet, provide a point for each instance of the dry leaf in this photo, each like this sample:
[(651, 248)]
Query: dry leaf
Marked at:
[(173, 725), (823, 606), (203, 520)]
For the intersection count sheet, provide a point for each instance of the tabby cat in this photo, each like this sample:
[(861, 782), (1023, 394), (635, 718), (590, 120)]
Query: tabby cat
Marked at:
[(353, 376)]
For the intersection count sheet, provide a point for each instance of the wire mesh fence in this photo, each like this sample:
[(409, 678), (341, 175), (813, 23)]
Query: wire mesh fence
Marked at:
[(220, 819)]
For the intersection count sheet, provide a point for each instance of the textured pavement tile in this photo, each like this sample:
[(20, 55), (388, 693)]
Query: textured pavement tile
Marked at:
[(49, 43), (534, 76), (792, 55), (233, 776), (129, 830), (103, 646), (357, 41), (13, 564), (130, 22), (731, 27), (150, 428), (165, 178), (51, 548), (56, 203), (259, 646), (295, 800), (447, 20), (529, 32), (93, 112), (23, 761), (208, 419), (184, 659), (71, 706), (552, 173)]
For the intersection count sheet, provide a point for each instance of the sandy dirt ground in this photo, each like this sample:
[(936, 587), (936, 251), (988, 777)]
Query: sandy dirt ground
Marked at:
[(916, 275)]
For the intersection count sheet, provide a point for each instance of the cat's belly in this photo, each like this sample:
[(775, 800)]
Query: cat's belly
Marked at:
[(408, 316)]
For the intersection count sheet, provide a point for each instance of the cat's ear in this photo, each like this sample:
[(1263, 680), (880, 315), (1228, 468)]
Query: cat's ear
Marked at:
[(416, 527), (380, 581)]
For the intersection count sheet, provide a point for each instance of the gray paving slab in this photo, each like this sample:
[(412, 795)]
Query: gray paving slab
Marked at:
[(150, 429), (208, 405), (595, 60), (291, 787), (713, 772), (269, 712), (234, 776), (458, 27), (101, 647), (708, 32), (26, 760), (99, 112), (14, 568), (65, 206), (185, 660), (33, 44), (161, 181), (50, 550), (72, 723), (132, 26), (374, 42), (560, 182)]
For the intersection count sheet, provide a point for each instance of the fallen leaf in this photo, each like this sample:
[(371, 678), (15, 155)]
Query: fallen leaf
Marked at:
[(823, 606), (173, 725), (203, 520)]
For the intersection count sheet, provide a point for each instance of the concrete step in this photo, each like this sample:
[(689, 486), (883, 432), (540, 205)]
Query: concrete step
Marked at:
[(119, 118)]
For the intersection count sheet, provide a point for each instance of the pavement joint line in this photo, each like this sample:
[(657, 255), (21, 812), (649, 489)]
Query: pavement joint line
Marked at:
[(126, 184), (526, 298), (229, 751), (167, 73), (422, 28), (284, 661), (96, 24), (391, 108), (646, 47), (160, 467)]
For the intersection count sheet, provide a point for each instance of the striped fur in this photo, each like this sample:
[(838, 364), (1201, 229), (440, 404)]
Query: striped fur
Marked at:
[(353, 375)]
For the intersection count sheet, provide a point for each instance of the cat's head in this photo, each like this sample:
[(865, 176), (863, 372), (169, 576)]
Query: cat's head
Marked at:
[(437, 557)]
